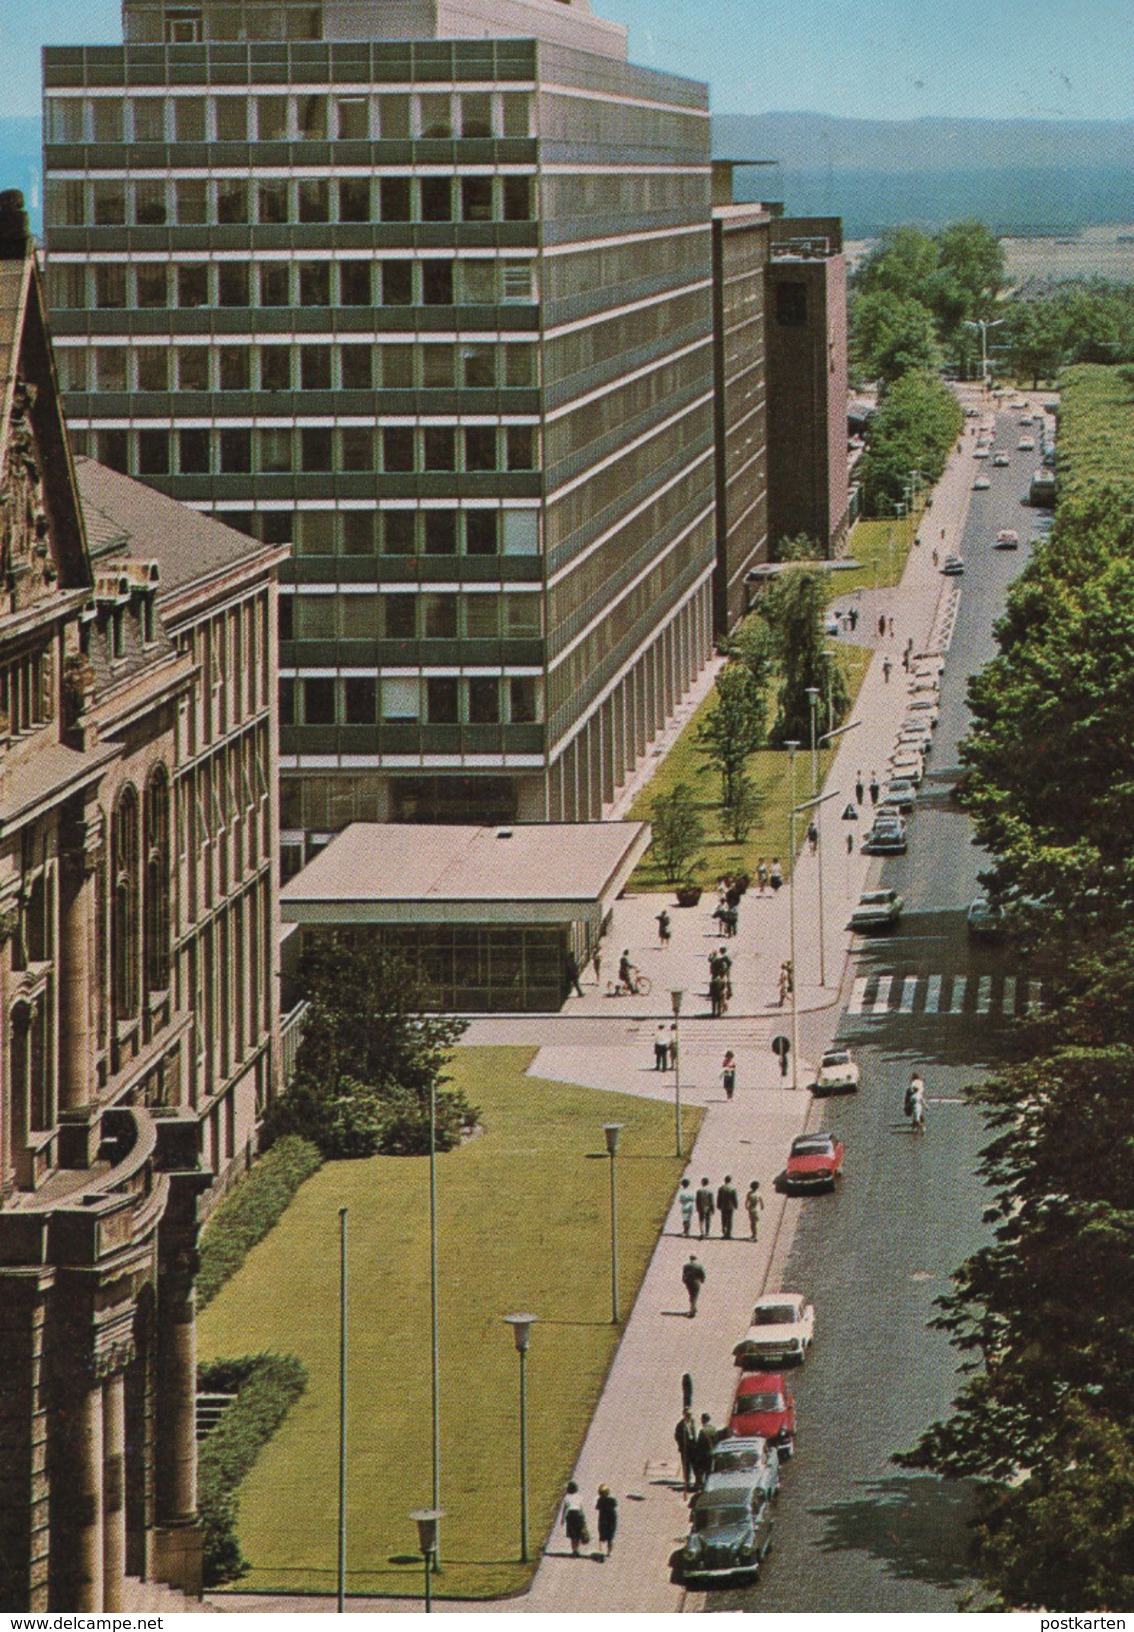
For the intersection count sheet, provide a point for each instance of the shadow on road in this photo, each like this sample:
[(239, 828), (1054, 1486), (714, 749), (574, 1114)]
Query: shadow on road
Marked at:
[(915, 1525)]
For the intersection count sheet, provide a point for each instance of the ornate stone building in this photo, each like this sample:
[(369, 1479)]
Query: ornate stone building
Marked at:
[(138, 1016)]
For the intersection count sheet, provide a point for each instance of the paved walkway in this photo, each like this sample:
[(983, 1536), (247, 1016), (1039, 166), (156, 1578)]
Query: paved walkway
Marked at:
[(607, 1043)]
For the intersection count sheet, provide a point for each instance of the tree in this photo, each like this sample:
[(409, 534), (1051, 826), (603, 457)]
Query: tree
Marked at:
[(903, 264), (740, 808), (369, 1056), (800, 548), (732, 730), (678, 833), (969, 275), (754, 646), (917, 422), (793, 607), (892, 334)]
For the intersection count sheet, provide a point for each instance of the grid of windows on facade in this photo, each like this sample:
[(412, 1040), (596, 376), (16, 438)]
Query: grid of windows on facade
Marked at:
[(412, 700), (490, 968), (352, 364), (284, 450), (196, 283), (434, 615), (355, 115), (406, 533), (27, 697)]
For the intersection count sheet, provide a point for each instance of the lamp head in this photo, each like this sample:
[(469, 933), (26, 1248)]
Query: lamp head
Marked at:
[(612, 1131), (521, 1330), (676, 998), (426, 1520)]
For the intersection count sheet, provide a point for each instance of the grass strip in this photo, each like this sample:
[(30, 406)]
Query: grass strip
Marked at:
[(251, 1208)]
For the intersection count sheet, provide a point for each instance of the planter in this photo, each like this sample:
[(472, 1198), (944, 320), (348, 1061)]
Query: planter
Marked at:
[(689, 895)]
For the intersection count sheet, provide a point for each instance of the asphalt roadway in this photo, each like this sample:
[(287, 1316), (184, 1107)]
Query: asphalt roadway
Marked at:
[(854, 1532)]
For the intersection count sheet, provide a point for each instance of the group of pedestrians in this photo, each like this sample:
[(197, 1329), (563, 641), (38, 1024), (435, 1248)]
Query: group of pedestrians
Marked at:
[(665, 1048), (695, 1445), (720, 982), (574, 1517), (705, 1204)]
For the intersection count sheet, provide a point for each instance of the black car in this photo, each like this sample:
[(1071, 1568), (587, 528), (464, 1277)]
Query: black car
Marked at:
[(887, 837), (731, 1532)]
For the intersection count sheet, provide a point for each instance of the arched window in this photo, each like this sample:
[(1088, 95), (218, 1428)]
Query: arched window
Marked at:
[(19, 1071), (124, 906), (158, 882)]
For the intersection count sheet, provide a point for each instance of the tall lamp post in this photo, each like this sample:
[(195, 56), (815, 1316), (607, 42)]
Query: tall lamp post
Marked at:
[(612, 1130), (983, 324), (435, 1342), (522, 1332), (791, 748), (676, 998), (428, 1521), (342, 1408)]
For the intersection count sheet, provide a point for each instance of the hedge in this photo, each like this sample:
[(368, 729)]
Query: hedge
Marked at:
[(256, 1203), (266, 1386)]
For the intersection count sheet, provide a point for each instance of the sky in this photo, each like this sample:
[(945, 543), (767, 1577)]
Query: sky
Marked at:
[(874, 59)]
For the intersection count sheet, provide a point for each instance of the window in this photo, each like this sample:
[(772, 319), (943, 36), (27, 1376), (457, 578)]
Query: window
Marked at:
[(274, 288), (152, 285), (124, 905), (482, 617), (193, 368), (398, 532), (156, 927), (285, 617), (183, 27), (192, 203), (153, 453), (360, 616), (441, 701), (521, 447), (357, 367), (112, 449), (287, 700), (314, 201), (517, 198), (354, 283), (479, 282), (110, 286), (440, 447), (517, 113), (189, 118), (484, 702), (106, 119), (791, 304), (517, 282), (400, 700), (437, 283), (65, 120), (193, 285), (315, 368), (522, 616), (319, 702), (394, 198), (149, 119), (436, 116), (152, 363), (149, 204), (316, 448), (480, 447), (193, 458), (397, 447), (235, 451), (352, 118), (66, 206), (397, 283), (315, 535), (271, 118), (397, 367), (479, 366), (437, 367), (399, 614), (234, 370), (232, 283), (360, 532), (275, 451), (315, 617), (439, 617), (232, 119), (275, 368), (354, 199), (523, 700), (521, 532), (232, 202), (361, 700), (436, 198), (519, 365), (440, 532), (110, 365), (476, 114), (67, 286), (480, 532), (476, 198), (312, 115), (109, 203), (74, 374), (358, 448), (394, 118), (315, 283), (272, 202)]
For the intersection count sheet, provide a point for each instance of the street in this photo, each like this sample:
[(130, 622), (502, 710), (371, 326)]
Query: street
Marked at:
[(854, 1532)]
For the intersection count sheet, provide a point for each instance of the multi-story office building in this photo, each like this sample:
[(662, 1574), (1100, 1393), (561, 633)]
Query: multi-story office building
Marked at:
[(138, 1008), (438, 309)]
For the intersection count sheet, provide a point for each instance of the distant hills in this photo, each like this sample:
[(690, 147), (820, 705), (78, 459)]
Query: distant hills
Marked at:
[(1018, 175)]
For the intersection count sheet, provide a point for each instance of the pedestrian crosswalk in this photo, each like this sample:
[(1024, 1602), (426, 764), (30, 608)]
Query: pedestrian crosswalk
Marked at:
[(889, 993)]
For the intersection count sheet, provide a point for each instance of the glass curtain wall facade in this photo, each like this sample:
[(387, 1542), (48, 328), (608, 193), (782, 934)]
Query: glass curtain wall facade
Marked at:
[(439, 313)]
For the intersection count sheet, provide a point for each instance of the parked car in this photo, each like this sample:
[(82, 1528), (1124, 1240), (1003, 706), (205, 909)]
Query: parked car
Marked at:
[(815, 1162), (908, 763), (885, 837), (953, 566), (780, 1333), (838, 1073), (1001, 461), (877, 909), (924, 708), (984, 919), (980, 451), (1026, 444), (916, 736), (899, 796), (764, 1406), (731, 1530), (738, 1463), (1007, 539), (981, 485)]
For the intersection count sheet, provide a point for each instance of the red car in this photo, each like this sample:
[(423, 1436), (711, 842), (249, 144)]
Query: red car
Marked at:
[(815, 1162), (764, 1407)]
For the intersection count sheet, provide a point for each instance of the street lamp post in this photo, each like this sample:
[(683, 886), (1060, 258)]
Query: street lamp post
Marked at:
[(791, 748), (675, 998), (813, 699), (522, 1332), (342, 1408), (983, 324), (435, 1342), (428, 1521), (612, 1131)]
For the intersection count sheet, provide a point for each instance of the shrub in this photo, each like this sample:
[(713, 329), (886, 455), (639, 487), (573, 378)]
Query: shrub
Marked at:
[(266, 1385), (254, 1205)]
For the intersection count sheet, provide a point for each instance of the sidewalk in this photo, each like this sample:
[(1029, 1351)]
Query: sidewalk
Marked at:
[(607, 1043)]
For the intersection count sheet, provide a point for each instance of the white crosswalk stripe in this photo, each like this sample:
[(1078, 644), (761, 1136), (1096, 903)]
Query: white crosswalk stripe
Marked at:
[(877, 995)]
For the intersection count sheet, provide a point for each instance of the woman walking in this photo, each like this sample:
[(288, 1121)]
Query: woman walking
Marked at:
[(607, 1509), (574, 1518)]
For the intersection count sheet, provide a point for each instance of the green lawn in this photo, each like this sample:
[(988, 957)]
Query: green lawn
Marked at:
[(523, 1225), (770, 774), (881, 548), (1096, 429)]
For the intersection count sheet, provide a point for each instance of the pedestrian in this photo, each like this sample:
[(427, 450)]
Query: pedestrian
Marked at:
[(936, 558), (917, 1112), (812, 837), (693, 1276), (881, 625), (598, 967), (859, 789), (753, 1206), (850, 844), (775, 874), (784, 988), (727, 1204), (686, 1391), (686, 1200), (673, 1046), (853, 618), (571, 965), (685, 1434), (716, 994), (703, 1448), (574, 1518), (891, 628), (664, 930), (887, 666), (762, 874), (661, 1050), (607, 1509), (706, 1207), (942, 535), (728, 1073), (906, 660), (731, 920), (626, 971), (789, 971), (875, 787)]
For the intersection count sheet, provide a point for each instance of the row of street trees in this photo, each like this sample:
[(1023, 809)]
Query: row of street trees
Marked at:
[(1044, 1314)]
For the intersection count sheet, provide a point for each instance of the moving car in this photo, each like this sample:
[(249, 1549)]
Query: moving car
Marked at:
[(980, 451), (953, 566), (886, 837), (731, 1531), (984, 919), (1001, 461), (981, 485), (1007, 539), (814, 1162), (877, 909), (738, 1464), (764, 1407), (838, 1073), (781, 1332), (899, 796)]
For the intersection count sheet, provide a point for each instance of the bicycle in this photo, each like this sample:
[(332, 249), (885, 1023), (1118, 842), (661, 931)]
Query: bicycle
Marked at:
[(640, 986)]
